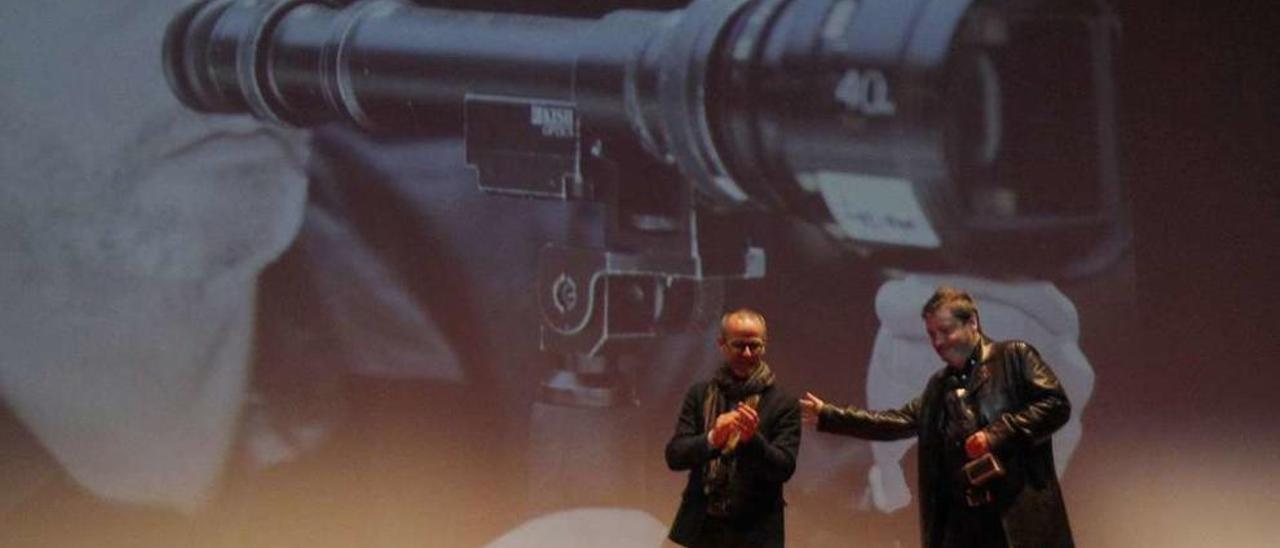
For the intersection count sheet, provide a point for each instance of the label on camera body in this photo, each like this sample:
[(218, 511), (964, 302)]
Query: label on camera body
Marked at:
[(876, 209), (523, 145)]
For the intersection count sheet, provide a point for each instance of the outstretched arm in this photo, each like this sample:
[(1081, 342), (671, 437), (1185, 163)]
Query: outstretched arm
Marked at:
[(860, 423)]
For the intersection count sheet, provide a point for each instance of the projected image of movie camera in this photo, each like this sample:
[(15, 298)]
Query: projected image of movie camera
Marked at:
[(501, 238)]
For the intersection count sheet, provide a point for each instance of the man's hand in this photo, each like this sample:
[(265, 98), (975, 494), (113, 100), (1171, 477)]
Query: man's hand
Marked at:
[(977, 445), (725, 425), (810, 407), (747, 421)]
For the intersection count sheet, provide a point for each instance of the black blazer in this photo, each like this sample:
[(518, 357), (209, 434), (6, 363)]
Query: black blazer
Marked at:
[(764, 462)]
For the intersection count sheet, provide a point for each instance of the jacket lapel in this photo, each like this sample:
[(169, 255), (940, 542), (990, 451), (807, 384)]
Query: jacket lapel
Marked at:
[(985, 369)]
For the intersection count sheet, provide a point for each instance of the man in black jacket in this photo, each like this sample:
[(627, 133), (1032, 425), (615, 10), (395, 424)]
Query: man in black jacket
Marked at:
[(738, 435), (984, 424)]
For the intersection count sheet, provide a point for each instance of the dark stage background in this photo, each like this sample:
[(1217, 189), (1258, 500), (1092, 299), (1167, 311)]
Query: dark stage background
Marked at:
[(216, 333)]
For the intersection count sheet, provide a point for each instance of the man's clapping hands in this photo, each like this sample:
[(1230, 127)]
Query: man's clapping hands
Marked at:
[(743, 421)]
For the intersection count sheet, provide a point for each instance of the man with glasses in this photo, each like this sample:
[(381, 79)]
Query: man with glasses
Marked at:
[(738, 435)]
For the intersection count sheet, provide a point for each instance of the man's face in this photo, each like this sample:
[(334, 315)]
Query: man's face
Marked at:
[(951, 338), (742, 342)]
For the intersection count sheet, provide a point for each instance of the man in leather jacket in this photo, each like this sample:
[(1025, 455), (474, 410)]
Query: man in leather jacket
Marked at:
[(984, 423)]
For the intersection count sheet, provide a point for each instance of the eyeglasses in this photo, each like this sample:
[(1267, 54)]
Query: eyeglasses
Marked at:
[(738, 345)]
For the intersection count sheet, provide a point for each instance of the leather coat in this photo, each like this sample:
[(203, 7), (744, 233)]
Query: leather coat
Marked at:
[(1020, 404)]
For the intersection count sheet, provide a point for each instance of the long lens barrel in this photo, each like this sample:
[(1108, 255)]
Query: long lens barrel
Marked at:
[(914, 127), (384, 64)]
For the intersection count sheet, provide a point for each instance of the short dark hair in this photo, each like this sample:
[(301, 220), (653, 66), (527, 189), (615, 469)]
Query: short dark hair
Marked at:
[(961, 305)]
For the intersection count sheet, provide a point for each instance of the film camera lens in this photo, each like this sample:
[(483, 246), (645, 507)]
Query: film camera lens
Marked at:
[(930, 134)]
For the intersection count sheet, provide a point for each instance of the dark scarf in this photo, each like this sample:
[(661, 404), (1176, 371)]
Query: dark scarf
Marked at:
[(724, 389)]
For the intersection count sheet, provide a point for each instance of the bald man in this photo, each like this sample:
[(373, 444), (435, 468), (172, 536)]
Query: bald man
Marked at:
[(738, 435)]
